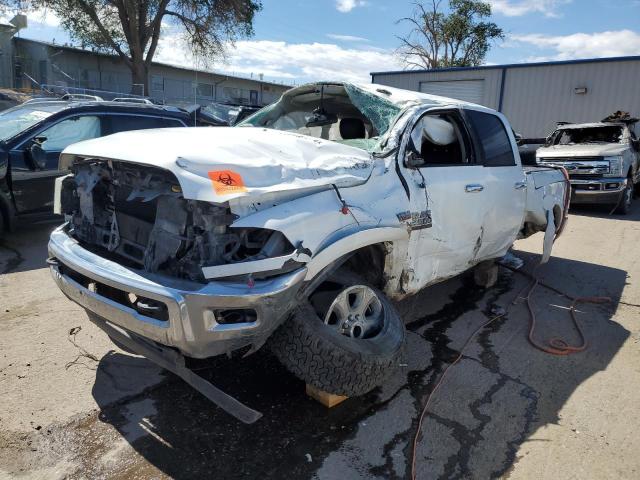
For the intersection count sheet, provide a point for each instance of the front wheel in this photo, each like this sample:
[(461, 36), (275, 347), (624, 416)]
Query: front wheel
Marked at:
[(624, 206), (347, 339)]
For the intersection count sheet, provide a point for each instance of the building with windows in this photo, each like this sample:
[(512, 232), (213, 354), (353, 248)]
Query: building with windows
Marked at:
[(535, 96), (35, 64)]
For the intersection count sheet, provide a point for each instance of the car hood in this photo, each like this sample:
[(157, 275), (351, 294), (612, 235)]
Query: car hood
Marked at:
[(218, 164), (584, 150)]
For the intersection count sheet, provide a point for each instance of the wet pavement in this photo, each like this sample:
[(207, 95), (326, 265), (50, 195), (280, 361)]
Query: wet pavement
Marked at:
[(506, 410)]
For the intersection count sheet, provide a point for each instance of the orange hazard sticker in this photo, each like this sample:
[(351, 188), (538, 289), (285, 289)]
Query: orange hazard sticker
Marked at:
[(226, 182)]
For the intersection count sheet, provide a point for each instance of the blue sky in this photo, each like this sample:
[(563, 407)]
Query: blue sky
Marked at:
[(302, 40)]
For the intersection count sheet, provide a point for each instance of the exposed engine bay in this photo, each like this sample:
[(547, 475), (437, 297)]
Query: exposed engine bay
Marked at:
[(138, 216)]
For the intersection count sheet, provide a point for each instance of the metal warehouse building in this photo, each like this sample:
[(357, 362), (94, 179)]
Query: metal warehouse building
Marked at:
[(534, 96)]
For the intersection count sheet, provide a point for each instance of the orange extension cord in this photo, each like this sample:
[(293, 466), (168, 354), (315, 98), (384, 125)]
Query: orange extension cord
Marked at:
[(555, 345)]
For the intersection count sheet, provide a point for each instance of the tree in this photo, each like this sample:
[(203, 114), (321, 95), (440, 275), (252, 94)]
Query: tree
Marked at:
[(132, 28), (458, 38)]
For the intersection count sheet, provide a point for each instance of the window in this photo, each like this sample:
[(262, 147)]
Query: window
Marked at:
[(602, 134), (494, 141), (125, 123), (71, 130), (157, 83), (205, 90), (438, 141), (42, 67)]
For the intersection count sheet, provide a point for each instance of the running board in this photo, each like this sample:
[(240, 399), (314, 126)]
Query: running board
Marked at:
[(173, 361)]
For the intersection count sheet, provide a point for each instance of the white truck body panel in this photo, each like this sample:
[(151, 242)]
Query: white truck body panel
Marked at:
[(287, 184)]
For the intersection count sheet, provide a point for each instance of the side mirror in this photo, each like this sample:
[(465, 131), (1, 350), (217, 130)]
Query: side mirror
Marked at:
[(38, 155), (518, 138)]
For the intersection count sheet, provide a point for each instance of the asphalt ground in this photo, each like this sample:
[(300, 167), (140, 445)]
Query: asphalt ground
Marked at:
[(78, 407)]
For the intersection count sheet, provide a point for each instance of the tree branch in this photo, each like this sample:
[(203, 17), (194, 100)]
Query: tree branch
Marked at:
[(93, 15)]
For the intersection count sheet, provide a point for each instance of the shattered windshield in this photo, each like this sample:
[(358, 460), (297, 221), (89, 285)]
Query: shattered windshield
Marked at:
[(603, 134), (223, 113), (341, 113), (18, 119)]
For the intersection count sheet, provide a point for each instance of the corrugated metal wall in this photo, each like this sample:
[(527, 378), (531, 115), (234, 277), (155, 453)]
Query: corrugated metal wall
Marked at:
[(412, 81), (536, 97)]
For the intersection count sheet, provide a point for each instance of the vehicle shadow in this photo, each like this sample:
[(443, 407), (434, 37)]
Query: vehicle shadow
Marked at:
[(495, 399), (26, 248), (604, 211)]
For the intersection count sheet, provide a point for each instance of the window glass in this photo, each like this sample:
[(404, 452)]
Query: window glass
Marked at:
[(71, 130), (205, 90), (438, 141), (157, 83), (17, 119), (602, 134), (125, 123), (494, 141)]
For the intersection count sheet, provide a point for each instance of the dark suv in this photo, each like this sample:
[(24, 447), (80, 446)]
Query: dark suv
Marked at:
[(33, 134)]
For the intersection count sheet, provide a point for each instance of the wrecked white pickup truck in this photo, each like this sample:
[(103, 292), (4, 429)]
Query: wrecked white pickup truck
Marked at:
[(602, 159), (295, 228)]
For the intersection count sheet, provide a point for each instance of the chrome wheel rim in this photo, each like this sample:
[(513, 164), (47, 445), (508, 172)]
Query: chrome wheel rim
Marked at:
[(356, 312)]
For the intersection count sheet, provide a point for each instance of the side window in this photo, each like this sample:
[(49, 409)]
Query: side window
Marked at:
[(72, 130), (126, 123), (493, 138), (439, 140)]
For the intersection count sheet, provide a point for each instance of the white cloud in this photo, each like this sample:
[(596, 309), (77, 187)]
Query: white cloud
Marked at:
[(346, 38), (583, 45), (299, 62), (40, 17), (517, 8), (44, 16), (345, 6)]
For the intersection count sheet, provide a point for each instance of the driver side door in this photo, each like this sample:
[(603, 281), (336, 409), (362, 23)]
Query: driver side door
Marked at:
[(446, 186), (33, 176)]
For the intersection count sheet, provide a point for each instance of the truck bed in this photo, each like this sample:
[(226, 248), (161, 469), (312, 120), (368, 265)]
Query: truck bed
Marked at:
[(545, 186)]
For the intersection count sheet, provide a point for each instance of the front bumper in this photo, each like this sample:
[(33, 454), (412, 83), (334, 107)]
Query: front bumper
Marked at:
[(597, 190), (190, 321)]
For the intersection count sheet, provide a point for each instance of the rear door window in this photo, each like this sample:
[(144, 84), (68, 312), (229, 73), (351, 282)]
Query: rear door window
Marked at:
[(495, 146)]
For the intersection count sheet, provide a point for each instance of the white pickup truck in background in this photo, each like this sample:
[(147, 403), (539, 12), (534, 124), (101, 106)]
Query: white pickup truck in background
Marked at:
[(602, 159), (294, 229)]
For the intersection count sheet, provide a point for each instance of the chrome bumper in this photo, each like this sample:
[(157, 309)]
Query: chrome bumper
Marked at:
[(598, 190), (191, 324)]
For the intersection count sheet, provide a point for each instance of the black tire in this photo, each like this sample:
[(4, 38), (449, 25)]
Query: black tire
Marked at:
[(336, 363), (624, 206)]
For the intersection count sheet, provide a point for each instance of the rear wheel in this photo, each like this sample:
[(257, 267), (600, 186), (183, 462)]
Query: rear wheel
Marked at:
[(347, 339), (624, 206)]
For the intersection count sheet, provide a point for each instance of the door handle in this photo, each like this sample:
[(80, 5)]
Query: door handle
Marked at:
[(520, 185), (473, 188)]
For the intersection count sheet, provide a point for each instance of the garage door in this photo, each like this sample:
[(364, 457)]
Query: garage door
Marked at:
[(466, 90)]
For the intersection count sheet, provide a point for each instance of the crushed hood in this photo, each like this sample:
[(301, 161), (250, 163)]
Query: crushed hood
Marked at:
[(581, 150), (217, 164)]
